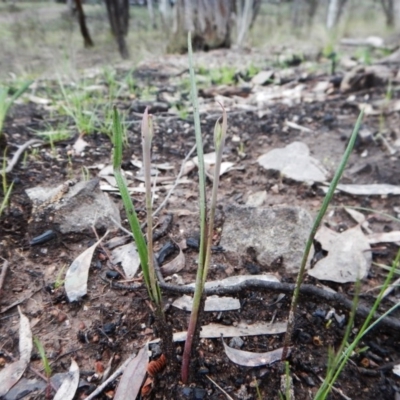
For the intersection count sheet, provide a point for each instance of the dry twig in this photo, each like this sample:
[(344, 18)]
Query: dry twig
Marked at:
[(19, 152), (114, 376)]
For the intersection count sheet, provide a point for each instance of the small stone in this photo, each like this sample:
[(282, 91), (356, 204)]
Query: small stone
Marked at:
[(309, 381), (270, 232), (257, 199), (236, 342), (199, 393), (252, 268), (203, 371), (242, 393), (187, 391)]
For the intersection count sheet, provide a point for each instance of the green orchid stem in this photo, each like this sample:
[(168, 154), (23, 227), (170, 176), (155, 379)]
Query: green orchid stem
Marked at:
[(145, 252), (318, 220), (206, 230), (147, 136)]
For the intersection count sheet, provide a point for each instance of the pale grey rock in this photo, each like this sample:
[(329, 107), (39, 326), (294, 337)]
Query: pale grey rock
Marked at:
[(294, 162), (257, 199), (72, 208), (272, 232)]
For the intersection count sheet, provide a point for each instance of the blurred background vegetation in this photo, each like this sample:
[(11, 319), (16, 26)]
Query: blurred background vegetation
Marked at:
[(45, 37)]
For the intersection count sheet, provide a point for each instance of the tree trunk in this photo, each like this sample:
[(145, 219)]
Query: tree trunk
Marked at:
[(335, 10), (303, 12), (246, 12), (166, 12), (87, 40), (209, 21), (118, 15), (151, 13), (388, 9)]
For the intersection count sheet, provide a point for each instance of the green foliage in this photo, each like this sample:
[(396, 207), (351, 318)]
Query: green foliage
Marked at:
[(6, 101), (54, 135), (317, 222), (42, 353), (338, 362), (79, 106), (252, 71), (287, 380), (147, 268), (223, 76), (7, 194), (219, 76), (59, 281), (364, 55), (206, 229)]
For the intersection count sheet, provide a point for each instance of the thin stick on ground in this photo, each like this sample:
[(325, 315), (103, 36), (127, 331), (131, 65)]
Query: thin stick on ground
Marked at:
[(336, 390), (112, 378), (220, 388), (264, 286), (19, 152)]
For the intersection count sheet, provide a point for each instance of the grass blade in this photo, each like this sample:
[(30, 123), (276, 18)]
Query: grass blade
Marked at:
[(317, 222), (127, 201)]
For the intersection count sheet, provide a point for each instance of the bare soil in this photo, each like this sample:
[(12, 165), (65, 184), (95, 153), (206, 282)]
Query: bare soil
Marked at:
[(115, 323)]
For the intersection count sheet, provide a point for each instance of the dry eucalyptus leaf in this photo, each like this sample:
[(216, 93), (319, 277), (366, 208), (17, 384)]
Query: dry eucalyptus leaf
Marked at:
[(360, 218), (70, 383), (78, 273), (349, 257), (128, 256), (235, 280), (212, 303), (175, 265), (80, 145), (384, 237), (214, 330), (295, 162), (133, 376), (391, 287), (107, 170), (11, 374), (249, 359), (209, 164), (38, 100), (378, 189)]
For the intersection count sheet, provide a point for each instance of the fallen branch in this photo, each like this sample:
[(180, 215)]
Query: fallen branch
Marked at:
[(257, 285)]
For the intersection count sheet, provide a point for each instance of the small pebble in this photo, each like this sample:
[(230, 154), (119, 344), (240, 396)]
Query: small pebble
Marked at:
[(309, 381), (252, 268), (199, 393), (236, 342), (187, 391), (203, 370), (109, 328)]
